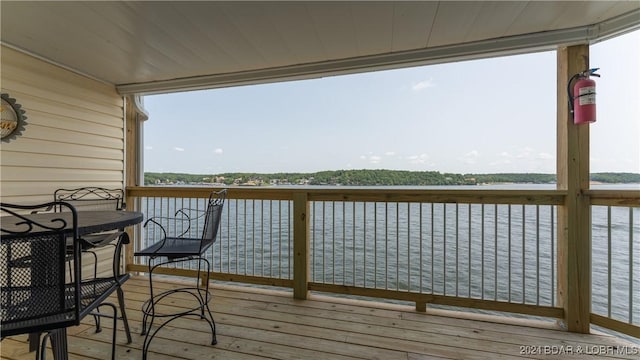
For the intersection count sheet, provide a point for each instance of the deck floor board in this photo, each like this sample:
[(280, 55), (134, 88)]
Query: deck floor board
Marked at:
[(269, 324)]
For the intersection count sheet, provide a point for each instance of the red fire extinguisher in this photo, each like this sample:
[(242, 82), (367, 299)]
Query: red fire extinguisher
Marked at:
[(582, 102)]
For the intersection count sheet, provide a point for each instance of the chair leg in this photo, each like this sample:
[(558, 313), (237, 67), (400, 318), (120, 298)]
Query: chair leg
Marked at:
[(41, 354), (212, 323), (58, 344), (115, 326), (115, 331), (146, 310), (95, 275), (123, 313)]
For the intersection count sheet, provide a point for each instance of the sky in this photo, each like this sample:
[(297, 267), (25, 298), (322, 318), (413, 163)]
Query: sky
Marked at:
[(483, 116)]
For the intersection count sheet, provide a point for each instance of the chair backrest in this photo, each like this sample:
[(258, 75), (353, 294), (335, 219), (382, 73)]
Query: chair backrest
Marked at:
[(35, 296), (91, 198), (212, 218)]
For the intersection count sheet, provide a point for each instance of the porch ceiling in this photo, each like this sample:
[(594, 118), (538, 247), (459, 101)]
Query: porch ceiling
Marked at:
[(164, 46)]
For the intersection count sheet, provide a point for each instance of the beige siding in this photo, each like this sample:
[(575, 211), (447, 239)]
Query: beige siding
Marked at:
[(74, 136)]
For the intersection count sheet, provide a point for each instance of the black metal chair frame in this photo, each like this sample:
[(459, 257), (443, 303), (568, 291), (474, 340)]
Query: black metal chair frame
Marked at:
[(93, 198), (182, 248), (43, 300)]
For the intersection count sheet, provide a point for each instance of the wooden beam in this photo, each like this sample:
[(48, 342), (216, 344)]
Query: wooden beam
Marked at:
[(300, 246), (131, 146), (574, 217), (422, 300)]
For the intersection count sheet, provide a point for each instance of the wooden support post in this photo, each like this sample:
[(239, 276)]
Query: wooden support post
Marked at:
[(300, 246), (131, 147), (574, 217), (134, 115)]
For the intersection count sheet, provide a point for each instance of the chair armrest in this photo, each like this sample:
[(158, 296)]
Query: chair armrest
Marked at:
[(186, 217), (117, 254)]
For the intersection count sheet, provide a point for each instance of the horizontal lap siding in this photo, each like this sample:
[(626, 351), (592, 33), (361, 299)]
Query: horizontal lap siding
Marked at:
[(74, 134)]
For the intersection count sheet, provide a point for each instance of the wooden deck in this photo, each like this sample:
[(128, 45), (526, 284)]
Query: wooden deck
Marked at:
[(266, 324)]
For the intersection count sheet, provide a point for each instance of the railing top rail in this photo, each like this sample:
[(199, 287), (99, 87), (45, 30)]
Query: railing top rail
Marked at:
[(614, 197), (534, 197)]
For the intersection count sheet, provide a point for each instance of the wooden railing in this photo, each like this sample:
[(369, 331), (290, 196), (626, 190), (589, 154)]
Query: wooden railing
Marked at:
[(615, 227), (485, 249)]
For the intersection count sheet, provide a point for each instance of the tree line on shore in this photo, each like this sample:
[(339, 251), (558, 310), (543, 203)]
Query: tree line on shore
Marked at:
[(371, 178)]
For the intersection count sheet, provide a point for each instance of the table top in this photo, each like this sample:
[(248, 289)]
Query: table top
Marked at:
[(88, 221)]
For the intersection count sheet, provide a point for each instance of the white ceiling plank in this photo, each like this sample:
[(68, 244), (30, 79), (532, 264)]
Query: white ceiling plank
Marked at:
[(260, 32), (412, 24), (373, 24), (453, 22), (494, 20), (225, 36), (335, 27), (295, 26), (537, 16)]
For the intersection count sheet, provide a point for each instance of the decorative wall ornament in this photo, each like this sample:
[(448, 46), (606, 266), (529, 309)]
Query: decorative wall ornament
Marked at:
[(13, 120)]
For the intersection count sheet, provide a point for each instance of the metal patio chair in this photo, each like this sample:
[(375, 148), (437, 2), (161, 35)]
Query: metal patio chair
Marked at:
[(94, 199), (97, 199), (36, 297), (183, 247)]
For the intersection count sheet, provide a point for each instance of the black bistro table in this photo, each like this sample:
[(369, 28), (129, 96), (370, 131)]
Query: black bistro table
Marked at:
[(89, 222)]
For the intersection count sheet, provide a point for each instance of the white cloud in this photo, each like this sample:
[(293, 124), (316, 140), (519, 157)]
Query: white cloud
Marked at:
[(148, 147), (418, 159), (390, 153), (545, 156), (218, 151), (423, 85), (178, 149), (524, 153), (370, 158), (471, 157)]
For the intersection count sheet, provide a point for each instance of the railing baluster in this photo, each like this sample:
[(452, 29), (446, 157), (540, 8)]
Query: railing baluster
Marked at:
[(253, 236), (408, 247), (333, 242), (237, 238), (609, 250), (469, 262), (421, 239), (344, 245), (457, 260), (375, 244), (386, 245), (432, 250), (482, 236), (509, 254), (631, 293), (552, 237), (524, 274), (324, 239), (495, 254), (538, 255), (364, 243), (444, 246)]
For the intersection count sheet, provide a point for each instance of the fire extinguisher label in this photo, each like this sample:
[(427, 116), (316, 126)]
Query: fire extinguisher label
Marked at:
[(587, 95)]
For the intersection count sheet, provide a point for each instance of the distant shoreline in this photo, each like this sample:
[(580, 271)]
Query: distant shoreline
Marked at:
[(366, 177)]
